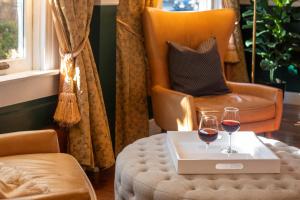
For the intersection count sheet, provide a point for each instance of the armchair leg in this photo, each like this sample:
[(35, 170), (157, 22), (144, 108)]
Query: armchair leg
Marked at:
[(268, 134)]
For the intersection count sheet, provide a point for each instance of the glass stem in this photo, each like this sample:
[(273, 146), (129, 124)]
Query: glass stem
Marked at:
[(229, 149), (206, 147)]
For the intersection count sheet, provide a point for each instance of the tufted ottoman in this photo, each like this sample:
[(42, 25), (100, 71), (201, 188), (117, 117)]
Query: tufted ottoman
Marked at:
[(144, 171)]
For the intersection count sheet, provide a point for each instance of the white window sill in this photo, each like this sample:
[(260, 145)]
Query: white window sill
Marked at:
[(26, 86), (106, 2)]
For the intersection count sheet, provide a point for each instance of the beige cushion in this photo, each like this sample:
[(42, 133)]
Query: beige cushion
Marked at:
[(252, 108), (59, 174), (144, 171)]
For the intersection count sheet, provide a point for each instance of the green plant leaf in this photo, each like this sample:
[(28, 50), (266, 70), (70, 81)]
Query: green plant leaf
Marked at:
[(261, 32), (248, 43), (247, 26), (271, 45), (292, 69), (247, 13)]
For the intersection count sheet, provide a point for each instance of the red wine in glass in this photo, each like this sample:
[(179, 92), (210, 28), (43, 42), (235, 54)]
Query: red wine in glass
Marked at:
[(208, 129), (208, 134), (230, 126)]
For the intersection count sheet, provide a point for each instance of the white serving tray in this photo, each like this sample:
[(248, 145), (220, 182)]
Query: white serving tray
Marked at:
[(189, 154)]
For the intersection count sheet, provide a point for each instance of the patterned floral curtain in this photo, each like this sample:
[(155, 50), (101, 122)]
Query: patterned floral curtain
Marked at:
[(81, 106), (236, 67), (131, 103)]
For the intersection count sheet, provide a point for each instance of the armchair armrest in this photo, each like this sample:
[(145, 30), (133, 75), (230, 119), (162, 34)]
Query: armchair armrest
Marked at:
[(28, 142), (173, 110), (266, 92)]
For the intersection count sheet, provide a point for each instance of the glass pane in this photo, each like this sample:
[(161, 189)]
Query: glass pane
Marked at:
[(191, 5), (11, 29), (181, 5)]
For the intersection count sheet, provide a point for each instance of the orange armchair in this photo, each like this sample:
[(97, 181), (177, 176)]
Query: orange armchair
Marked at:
[(260, 106), (35, 169)]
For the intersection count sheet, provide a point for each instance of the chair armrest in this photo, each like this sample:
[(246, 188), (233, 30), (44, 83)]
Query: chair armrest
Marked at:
[(266, 92), (173, 110), (28, 142), (258, 90)]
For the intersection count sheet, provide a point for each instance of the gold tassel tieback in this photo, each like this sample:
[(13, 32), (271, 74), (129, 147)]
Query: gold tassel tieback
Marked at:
[(67, 113)]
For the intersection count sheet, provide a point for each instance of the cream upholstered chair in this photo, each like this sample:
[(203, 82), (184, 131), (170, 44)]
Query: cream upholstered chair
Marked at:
[(31, 167), (260, 106)]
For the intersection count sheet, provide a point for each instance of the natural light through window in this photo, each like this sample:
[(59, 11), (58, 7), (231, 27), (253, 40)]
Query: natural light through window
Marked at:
[(27, 37), (16, 27), (191, 5), (11, 29)]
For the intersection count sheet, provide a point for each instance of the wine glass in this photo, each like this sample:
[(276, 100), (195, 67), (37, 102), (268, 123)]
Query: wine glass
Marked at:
[(208, 129), (230, 123)]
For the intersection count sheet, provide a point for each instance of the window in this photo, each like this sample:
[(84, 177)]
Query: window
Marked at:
[(16, 34), (20, 22), (191, 5)]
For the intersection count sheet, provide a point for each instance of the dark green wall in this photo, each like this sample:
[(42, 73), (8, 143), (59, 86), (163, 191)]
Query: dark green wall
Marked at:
[(30, 115), (103, 40), (38, 113)]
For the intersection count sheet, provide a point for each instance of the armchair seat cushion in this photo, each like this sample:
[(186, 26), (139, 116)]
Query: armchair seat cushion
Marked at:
[(58, 174), (252, 108)]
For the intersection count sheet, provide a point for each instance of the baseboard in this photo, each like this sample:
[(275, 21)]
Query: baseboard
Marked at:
[(292, 98)]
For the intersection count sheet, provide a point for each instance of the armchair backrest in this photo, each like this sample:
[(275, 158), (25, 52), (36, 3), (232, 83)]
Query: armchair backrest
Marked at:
[(185, 28)]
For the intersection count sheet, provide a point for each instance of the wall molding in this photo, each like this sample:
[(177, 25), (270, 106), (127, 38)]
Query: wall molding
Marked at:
[(106, 2)]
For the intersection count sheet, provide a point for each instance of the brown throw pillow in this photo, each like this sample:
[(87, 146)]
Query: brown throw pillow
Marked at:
[(196, 72)]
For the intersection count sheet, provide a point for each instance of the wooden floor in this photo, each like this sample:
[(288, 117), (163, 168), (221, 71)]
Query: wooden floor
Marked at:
[(288, 133)]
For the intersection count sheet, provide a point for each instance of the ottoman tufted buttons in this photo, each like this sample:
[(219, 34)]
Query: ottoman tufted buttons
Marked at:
[(144, 170), (142, 162), (233, 178), (167, 178), (141, 155), (192, 187), (290, 169), (214, 187), (260, 186), (297, 177), (163, 162), (238, 187), (152, 175), (164, 169), (162, 155), (277, 177)]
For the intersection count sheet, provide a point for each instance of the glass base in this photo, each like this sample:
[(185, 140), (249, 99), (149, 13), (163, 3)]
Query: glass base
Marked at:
[(228, 150)]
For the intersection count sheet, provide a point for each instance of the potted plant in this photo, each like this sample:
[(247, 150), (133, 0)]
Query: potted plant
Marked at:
[(275, 41)]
